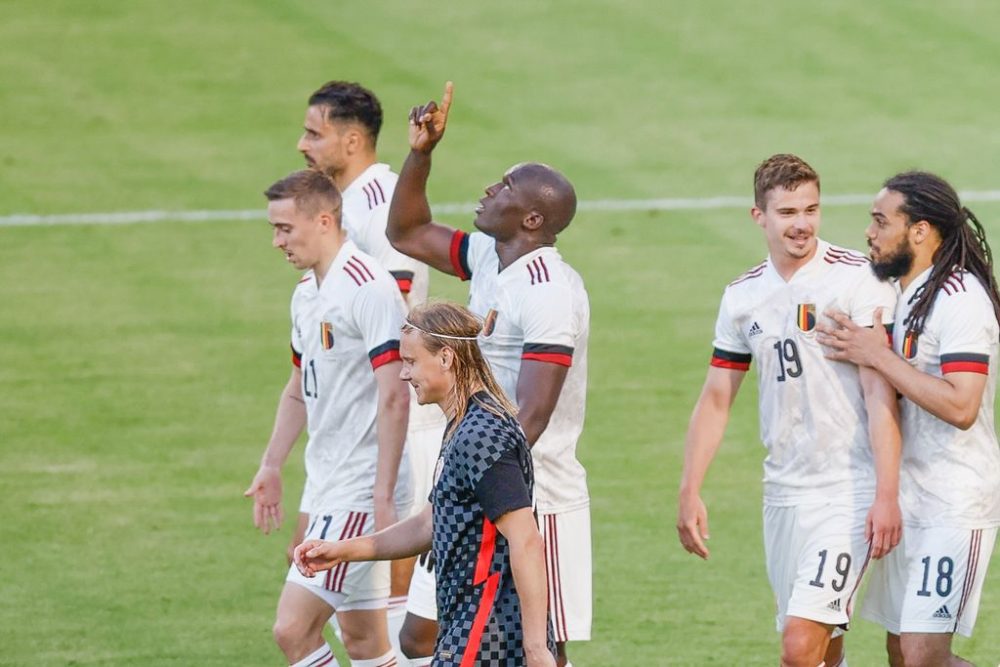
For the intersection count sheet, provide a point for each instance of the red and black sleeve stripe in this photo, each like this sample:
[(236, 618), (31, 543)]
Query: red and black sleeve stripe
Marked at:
[(459, 254), (553, 354), (962, 362), (404, 279), (384, 353), (734, 360), (296, 357)]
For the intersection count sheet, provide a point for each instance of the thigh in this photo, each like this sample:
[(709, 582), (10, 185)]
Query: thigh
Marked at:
[(569, 572)]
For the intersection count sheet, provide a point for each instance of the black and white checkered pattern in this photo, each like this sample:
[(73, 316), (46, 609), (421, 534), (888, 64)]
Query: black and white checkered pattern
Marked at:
[(460, 530)]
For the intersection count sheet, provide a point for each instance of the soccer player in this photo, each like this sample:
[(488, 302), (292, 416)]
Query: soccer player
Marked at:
[(346, 313), (488, 551), (943, 361), (340, 136), (537, 315), (832, 470)]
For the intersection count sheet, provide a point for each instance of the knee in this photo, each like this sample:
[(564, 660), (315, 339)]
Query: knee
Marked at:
[(359, 645), (797, 650), (919, 654), (289, 635), (414, 642)]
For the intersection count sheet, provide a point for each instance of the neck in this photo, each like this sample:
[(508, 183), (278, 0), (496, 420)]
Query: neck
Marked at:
[(920, 264), (787, 266), (330, 251), (350, 173)]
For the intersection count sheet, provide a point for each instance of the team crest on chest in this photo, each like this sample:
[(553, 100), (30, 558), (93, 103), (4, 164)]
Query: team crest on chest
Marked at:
[(910, 345), (805, 316), (490, 323), (326, 335)]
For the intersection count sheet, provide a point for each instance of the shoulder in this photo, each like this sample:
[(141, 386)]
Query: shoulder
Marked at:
[(839, 256), (749, 275), (484, 435), (377, 186), (305, 286), (962, 291)]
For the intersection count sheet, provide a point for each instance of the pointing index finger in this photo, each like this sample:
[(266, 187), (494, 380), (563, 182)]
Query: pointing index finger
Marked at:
[(449, 89)]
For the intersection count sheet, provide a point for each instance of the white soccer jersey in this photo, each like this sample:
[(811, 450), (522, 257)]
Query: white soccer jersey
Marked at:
[(950, 477), (366, 211), (340, 332), (537, 309), (812, 413)]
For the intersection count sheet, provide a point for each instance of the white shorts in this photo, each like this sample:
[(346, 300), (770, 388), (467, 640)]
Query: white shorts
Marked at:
[(423, 445), (348, 586), (421, 600), (816, 555), (568, 569), (931, 582)]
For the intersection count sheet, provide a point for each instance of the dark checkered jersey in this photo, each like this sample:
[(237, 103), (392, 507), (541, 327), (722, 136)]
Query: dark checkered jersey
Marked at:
[(484, 472)]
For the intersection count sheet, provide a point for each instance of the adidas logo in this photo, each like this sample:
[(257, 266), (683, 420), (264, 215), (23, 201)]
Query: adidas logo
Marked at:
[(755, 330), (942, 612), (835, 605)]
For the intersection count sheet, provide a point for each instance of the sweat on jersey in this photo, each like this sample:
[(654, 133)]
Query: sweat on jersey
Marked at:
[(950, 477), (484, 471), (537, 308), (812, 411), (341, 332)]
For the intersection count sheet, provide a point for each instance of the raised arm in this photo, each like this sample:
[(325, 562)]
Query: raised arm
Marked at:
[(265, 489), (410, 228), (704, 436)]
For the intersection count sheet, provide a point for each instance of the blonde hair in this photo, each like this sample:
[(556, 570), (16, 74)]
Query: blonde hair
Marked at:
[(449, 325)]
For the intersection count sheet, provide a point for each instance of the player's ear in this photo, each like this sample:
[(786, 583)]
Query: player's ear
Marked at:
[(354, 141), (920, 231), (447, 357), (758, 215), (533, 221)]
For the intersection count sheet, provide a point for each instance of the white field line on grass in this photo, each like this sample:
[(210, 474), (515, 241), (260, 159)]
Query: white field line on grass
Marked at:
[(691, 204)]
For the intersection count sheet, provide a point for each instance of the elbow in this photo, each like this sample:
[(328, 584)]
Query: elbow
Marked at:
[(965, 421)]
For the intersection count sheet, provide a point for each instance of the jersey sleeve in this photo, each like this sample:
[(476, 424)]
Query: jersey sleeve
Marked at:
[(729, 348), (868, 294), (503, 488), (378, 314), (966, 329), (468, 251), (548, 322)]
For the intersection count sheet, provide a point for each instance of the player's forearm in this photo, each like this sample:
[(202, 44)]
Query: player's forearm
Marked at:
[(409, 209), (289, 421), (883, 432), (935, 395), (393, 415), (704, 437), (410, 537), (527, 564)]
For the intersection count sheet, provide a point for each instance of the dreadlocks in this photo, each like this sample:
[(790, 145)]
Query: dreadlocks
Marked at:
[(963, 246)]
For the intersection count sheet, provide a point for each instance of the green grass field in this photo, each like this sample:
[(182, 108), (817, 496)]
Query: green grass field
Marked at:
[(141, 364)]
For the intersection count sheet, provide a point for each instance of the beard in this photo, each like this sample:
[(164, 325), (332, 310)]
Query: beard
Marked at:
[(896, 264)]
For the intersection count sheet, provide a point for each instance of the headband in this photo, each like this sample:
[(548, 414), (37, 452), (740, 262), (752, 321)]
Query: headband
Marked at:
[(439, 335)]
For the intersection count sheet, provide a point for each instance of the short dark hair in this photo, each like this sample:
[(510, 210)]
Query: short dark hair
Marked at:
[(347, 101), (783, 170), (312, 190)]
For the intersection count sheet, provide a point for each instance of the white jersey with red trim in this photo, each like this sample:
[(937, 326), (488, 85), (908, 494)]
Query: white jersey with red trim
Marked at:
[(341, 331), (812, 412), (366, 210), (537, 308), (950, 477)]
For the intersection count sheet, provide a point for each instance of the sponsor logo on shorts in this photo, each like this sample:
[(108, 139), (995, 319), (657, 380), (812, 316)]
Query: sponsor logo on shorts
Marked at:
[(835, 605), (942, 612)]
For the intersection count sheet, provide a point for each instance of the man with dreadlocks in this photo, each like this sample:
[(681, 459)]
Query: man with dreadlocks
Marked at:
[(490, 566), (944, 364)]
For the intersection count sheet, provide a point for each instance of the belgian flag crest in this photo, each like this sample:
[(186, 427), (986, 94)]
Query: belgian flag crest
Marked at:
[(326, 335), (805, 317), (910, 345)]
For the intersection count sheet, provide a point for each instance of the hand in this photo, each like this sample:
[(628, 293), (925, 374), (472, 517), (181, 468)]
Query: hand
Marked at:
[(427, 122), (265, 489), (884, 526), (314, 556), (692, 524), (385, 513), (850, 342)]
